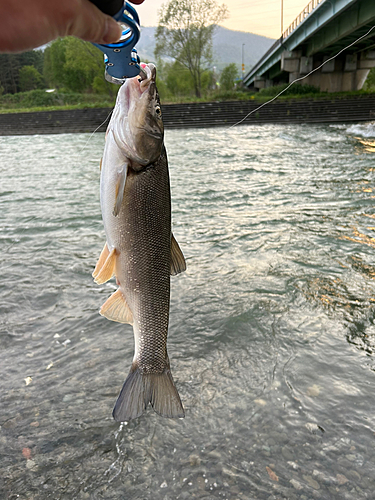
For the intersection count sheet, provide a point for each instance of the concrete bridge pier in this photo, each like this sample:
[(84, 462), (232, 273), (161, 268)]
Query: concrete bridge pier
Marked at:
[(345, 73)]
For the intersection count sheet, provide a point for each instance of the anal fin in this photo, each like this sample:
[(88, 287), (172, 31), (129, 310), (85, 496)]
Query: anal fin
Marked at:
[(178, 263), (116, 309), (107, 270)]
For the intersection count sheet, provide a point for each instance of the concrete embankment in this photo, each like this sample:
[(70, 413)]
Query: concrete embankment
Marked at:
[(194, 115)]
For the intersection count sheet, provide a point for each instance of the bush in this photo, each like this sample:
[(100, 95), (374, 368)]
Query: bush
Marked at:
[(295, 89), (370, 80), (41, 99)]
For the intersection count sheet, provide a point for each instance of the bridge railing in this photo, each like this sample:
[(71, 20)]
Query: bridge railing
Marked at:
[(301, 17)]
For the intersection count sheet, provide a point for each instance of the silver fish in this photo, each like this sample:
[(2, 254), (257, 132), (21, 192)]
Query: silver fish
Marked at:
[(140, 251)]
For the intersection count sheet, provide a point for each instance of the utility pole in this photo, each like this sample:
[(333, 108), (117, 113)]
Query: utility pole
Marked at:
[(282, 15), (243, 62)]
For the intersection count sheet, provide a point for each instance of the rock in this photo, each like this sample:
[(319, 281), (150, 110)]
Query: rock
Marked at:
[(341, 479), (31, 465), (296, 485), (319, 476), (194, 460), (260, 402), (272, 475), (164, 484), (310, 426), (201, 482), (344, 462), (293, 465), (353, 475), (311, 482), (313, 391), (279, 437), (286, 453), (26, 452)]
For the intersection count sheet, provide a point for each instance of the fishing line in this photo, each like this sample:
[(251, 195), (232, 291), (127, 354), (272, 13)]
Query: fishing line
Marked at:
[(301, 78), (97, 128)]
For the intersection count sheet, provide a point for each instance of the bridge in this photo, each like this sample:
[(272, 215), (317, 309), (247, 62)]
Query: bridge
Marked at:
[(319, 32)]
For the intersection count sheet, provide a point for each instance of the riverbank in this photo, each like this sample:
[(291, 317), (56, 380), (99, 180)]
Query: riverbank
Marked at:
[(196, 115)]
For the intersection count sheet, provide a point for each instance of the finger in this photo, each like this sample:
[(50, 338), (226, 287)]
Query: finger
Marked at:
[(92, 25)]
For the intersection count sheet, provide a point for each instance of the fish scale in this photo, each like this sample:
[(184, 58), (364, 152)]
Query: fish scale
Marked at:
[(140, 250)]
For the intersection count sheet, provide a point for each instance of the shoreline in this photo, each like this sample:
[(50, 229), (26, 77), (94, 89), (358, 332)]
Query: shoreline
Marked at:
[(199, 115)]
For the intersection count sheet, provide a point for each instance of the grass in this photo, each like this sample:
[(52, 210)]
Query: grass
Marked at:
[(36, 109), (39, 100)]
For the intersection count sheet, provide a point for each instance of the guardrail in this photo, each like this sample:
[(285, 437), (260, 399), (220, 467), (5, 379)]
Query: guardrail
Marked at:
[(301, 17)]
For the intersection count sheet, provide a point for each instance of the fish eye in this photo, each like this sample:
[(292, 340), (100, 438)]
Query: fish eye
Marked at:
[(158, 110)]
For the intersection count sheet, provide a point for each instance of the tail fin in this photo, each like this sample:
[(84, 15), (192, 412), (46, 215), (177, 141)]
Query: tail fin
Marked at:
[(140, 389)]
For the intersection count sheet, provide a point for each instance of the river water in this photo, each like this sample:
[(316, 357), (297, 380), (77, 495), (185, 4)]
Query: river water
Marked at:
[(272, 332)]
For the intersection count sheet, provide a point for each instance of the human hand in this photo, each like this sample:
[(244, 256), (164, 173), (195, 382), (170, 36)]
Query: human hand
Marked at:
[(25, 25)]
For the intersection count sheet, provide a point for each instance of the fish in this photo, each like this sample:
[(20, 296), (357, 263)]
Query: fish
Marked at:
[(140, 250)]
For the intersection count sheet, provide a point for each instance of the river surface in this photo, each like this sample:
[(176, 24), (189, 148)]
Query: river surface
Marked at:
[(272, 326)]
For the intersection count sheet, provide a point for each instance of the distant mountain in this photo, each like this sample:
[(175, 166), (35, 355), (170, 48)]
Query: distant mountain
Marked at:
[(227, 46)]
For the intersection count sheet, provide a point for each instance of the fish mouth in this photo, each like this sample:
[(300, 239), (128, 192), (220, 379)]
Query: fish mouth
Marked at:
[(146, 76), (131, 114), (135, 88)]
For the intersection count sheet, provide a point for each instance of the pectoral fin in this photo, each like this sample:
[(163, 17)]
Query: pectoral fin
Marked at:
[(178, 263), (120, 186), (116, 309), (107, 270)]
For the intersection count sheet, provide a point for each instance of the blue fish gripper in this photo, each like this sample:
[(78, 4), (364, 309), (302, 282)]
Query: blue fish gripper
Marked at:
[(121, 59)]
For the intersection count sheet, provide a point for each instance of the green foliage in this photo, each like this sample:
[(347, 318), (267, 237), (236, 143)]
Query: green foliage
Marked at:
[(77, 66), (228, 77), (295, 89), (176, 82), (42, 99), (370, 80), (30, 79), (54, 61), (11, 64), (185, 31), (178, 79)]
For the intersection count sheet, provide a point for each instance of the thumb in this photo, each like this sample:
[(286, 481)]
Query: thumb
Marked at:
[(92, 25)]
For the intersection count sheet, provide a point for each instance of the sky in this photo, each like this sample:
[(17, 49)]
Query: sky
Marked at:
[(262, 17)]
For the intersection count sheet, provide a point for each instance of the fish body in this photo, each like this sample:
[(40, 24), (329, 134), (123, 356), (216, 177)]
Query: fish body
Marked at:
[(140, 251)]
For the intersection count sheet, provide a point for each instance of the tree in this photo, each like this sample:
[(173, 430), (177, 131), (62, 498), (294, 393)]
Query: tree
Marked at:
[(228, 76), (185, 31), (30, 79), (76, 65), (10, 65), (54, 61)]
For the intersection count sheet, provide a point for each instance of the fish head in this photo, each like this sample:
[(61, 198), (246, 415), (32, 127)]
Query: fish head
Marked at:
[(137, 122)]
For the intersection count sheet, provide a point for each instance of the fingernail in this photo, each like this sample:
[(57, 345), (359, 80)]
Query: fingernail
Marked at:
[(113, 31)]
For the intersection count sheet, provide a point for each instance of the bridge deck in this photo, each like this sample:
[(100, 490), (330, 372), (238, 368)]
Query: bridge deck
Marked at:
[(323, 28)]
